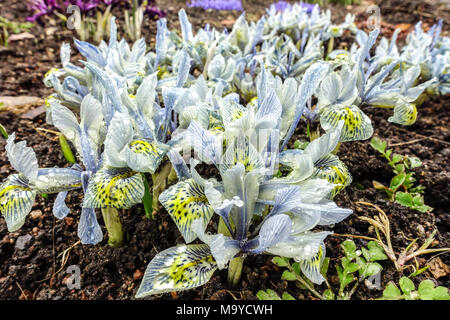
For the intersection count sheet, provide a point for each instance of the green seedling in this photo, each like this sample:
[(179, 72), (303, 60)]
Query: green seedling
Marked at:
[(356, 267), (401, 188), (401, 261), (426, 291), (7, 27)]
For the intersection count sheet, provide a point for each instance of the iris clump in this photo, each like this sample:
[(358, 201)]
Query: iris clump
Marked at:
[(231, 100)]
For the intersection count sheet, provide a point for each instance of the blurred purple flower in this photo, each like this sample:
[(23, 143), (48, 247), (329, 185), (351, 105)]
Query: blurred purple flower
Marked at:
[(283, 5), (217, 4), (308, 6), (41, 8), (84, 5), (154, 11)]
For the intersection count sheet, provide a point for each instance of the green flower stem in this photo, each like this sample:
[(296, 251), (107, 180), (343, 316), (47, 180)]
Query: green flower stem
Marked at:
[(114, 227), (236, 264), (330, 46), (159, 180), (235, 271)]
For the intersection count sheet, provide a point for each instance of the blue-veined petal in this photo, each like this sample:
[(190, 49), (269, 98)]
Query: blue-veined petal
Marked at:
[(304, 220), (286, 199), (357, 125), (178, 164), (91, 120), (230, 111), (89, 230), (334, 171), (274, 230), (332, 214), (16, 201), (241, 151), (311, 267), (146, 156), (114, 188), (183, 69), (186, 27), (222, 248), (186, 201), (338, 89), (301, 164), (310, 82), (207, 146), (245, 186), (300, 247), (178, 268), (22, 158), (60, 209), (325, 144), (269, 111), (66, 122), (405, 113), (90, 52), (120, 134), (54, 180), (145, 96)]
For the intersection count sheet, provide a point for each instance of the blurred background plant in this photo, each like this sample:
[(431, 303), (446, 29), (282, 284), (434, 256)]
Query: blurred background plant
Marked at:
[(342, 2), (7, 27), (90, 18), (216, 4)]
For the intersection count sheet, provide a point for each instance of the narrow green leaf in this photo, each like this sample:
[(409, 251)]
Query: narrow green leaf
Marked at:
[(67, 152), (3, 131), (324, 268), (147, 200), (419, 271), (379, 186)]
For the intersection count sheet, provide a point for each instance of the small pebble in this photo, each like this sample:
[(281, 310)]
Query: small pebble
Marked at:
[(36, 214), (138, 274), (22, 241)]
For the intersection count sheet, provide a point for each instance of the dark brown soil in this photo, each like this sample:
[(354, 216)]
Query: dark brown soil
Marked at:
[(36, 271)]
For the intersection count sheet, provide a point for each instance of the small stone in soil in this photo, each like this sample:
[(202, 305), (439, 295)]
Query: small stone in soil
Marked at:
[(137, 274), (36, 214), (21, 241)]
